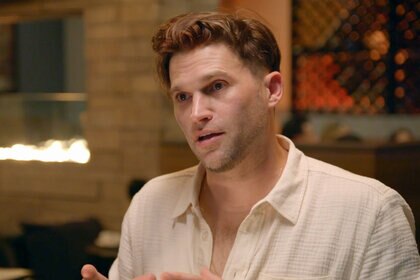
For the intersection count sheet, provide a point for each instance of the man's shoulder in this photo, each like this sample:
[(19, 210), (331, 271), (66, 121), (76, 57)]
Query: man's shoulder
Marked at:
[(173, 180), (337, 178), (181, 175), (171, 184), (353, 192), (162, 193)]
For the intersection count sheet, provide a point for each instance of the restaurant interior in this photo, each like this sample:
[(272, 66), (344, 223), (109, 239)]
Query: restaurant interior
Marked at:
[(84, 122)]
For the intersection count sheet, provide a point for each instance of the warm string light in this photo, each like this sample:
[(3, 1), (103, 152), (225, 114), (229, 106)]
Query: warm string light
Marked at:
[(74, 150)]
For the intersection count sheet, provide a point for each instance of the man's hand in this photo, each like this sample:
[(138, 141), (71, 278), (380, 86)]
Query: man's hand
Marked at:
[(204, 275), (146, 277), (89, 272)]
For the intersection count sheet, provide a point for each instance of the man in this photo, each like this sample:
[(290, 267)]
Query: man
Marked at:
[(255, 207)]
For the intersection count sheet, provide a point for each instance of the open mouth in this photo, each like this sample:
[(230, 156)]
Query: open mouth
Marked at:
[(208, 136)]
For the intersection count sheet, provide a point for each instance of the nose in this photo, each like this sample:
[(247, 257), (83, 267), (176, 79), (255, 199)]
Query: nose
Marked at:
[(201, 110)]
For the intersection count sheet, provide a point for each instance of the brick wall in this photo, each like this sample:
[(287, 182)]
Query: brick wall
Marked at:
[(123, 123)]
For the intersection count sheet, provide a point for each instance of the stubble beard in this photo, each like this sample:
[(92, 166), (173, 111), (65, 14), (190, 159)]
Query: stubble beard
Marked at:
[(236, 150)]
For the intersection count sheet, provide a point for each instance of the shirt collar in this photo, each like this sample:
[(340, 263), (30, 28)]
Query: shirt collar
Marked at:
[(286, 197), (191, 191)]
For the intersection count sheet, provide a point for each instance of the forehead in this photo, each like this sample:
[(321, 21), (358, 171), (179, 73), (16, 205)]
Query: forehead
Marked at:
[(203, 61)]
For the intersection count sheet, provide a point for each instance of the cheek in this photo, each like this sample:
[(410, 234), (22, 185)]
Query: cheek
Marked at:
[(247, 108), (181, 120), (252, 113)]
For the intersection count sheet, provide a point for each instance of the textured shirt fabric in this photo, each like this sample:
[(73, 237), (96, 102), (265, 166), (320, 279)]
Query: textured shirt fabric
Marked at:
[(318, 222)]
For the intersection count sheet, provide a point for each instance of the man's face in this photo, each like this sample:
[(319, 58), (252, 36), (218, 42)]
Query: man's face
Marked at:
[(219, 104)]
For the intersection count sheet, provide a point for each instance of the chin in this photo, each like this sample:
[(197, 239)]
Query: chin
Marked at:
[(220, 169), (219, 166)]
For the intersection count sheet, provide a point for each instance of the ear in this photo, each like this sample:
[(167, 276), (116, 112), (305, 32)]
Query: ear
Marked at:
[(274, 85)]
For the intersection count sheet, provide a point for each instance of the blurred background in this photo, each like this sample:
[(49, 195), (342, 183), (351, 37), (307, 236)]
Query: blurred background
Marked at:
[(83, 118)]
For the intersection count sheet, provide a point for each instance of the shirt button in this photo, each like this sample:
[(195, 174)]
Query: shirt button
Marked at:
[(204, 235)]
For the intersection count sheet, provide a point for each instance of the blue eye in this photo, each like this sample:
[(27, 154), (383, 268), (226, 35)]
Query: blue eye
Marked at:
[(215, 86), (218, 86), (181, 97)]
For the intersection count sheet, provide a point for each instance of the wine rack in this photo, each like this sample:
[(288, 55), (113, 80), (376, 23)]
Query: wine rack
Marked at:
[(356, 56)]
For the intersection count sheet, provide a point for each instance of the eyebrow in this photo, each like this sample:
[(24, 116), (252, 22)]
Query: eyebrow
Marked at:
[(203, 80)]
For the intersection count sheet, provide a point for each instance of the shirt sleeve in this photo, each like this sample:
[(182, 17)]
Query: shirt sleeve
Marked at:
[(113, 271), (122, 268), (392, 251)]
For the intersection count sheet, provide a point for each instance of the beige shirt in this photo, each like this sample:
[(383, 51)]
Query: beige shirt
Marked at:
[(318, 222)]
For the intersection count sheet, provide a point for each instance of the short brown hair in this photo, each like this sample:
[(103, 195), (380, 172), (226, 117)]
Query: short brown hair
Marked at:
[(251, 40)]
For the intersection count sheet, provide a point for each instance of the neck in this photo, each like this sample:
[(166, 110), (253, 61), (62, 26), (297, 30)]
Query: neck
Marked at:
[(237, 190)]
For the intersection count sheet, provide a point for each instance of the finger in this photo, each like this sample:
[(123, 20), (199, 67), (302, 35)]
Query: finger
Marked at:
[(149, 276), (178, 276), (206, 274), (89, 272)]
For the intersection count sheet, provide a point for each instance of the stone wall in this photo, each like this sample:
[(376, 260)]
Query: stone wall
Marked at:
[(122, 124)]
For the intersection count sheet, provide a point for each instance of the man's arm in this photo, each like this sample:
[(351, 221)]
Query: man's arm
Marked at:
[(392, 251)]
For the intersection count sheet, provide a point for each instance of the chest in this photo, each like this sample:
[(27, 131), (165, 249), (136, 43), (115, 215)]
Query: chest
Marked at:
[(223, 240), (263, 245), (267, 248)]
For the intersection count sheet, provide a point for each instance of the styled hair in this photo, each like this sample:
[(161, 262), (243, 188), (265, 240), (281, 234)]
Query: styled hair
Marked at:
[(250, 39)]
